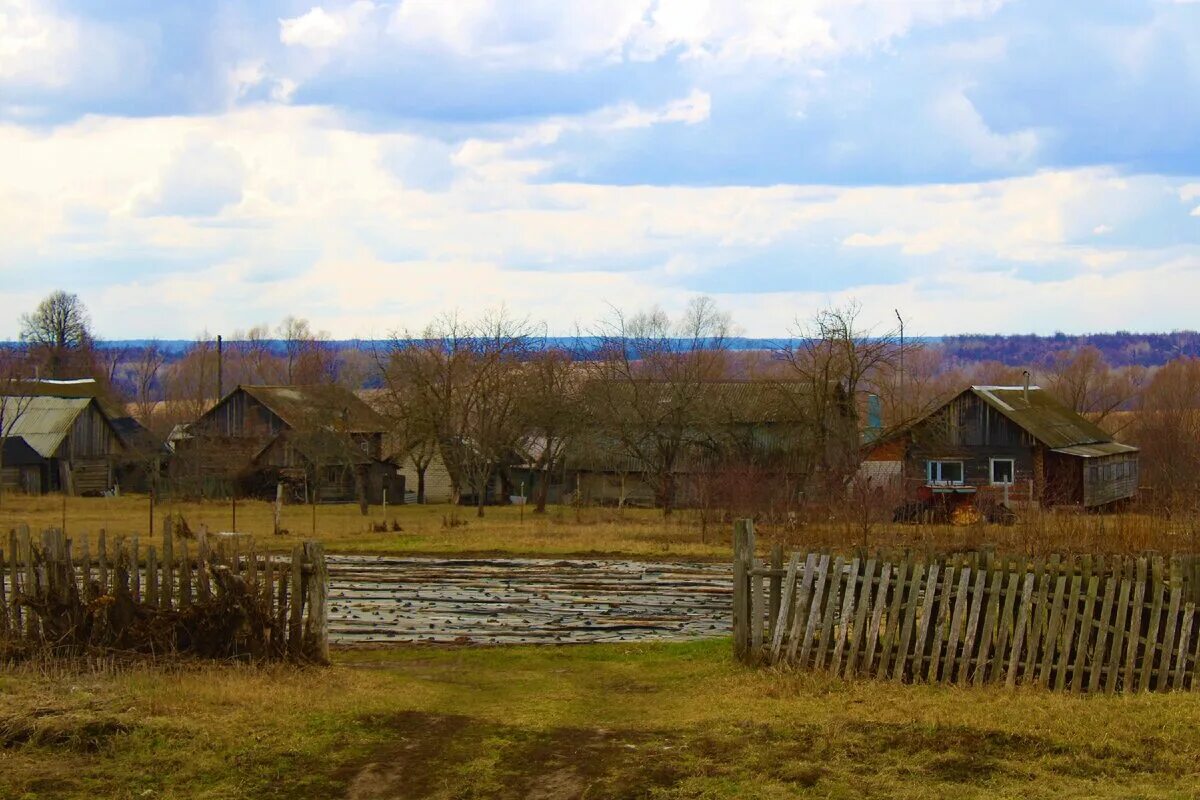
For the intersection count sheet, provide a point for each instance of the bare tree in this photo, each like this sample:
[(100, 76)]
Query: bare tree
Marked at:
[(57, 332), (455, 383), (832, 361), (551, 412), (1167, 429), (144, 375), (1081, 379), (647, 391), (308, 357)]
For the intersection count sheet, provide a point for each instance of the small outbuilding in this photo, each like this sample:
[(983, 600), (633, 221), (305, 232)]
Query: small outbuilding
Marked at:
[(74, 440)]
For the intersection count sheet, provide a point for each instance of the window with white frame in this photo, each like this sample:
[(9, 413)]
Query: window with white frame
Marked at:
[(944, 471), (1003, 470)]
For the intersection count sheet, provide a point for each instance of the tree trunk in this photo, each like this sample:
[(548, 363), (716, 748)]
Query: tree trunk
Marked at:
[(421, 486), (360, 488), (541, 491)]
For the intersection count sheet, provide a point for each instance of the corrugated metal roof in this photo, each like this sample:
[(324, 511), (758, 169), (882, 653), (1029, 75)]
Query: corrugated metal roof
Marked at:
[(43, 422), (1043, 417), (1098, 450)]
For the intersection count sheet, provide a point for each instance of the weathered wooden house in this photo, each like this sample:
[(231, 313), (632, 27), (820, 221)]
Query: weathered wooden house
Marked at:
[(1009, 443), (73, 438), (324, 439), (737, 432)]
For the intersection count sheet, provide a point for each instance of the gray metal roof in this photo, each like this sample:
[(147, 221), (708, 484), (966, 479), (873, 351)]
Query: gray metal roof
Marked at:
[(1097, 450), (1043, 417), (43, 422)]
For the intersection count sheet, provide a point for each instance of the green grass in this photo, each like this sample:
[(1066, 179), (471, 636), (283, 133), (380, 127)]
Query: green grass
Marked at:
[(671, 721)]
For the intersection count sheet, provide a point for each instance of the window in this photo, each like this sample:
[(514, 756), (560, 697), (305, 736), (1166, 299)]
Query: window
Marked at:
[(944, 471), (1002, 471)]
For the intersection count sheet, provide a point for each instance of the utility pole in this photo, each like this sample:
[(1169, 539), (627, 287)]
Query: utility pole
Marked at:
[(899, 405), (220, 369)]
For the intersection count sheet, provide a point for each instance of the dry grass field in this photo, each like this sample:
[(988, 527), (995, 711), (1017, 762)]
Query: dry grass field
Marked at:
[(589, 532), (594, 721)]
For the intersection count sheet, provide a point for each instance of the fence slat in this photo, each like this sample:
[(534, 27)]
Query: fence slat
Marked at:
[(743, 542), (800, 617), (969, 638), (1063, 659), (833, 595), (893, 619), (1086, 625), (843, 626), (1100, 653), (814, 613), (956, 621), (1024, 617), (1050, 641), (919, 660), (774, 596), (900, 663), (943, 622), (1172, 634), (1185, 637), (782, 612), (990, 619), (1150, 651), (858, 639), (881, 593)]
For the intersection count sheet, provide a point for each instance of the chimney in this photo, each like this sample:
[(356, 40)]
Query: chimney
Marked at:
[(1025, 393)]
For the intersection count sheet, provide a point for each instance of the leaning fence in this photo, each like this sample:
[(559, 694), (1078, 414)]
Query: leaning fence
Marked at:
[(217, 597), (1074, 623)]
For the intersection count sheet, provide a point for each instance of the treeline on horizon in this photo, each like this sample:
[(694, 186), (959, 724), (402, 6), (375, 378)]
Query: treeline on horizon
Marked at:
[(1119, 348)]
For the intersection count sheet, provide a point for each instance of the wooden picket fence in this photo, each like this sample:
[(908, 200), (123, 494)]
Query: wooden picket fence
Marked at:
[(222, 599), (1081, 624)]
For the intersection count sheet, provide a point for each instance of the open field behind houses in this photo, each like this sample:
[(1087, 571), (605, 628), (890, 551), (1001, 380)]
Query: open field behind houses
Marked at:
[(568, 531), (596, 721)]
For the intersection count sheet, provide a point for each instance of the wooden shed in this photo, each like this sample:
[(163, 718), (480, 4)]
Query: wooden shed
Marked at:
[(73, 438)]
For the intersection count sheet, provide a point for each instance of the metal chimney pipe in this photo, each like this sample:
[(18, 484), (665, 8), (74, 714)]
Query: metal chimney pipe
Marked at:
[(1025, 393)]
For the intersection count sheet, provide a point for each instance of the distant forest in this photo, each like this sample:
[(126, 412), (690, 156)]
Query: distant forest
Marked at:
[(1119, 349)]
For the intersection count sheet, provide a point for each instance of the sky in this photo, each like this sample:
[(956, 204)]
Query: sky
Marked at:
[(980, 165)]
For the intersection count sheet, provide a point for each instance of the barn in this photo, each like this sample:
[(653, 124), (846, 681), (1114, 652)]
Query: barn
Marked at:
[(324, 439), (1014, 444), (70, 444)]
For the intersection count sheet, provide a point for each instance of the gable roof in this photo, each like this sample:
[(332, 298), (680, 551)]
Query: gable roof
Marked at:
[(43, 422), (1041, 416), (298, 406)]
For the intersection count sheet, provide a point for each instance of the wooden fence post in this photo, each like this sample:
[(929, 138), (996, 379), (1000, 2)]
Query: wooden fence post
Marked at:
[(743, 560), (316, 622)]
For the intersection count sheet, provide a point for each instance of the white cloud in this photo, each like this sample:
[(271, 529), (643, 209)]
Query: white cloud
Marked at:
[(690, 110), (320, 29), (364, 232), (36, 47), (548, 34), (201, 181)]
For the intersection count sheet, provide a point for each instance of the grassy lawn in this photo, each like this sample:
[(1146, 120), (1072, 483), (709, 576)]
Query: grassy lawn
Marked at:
[(599, 721)]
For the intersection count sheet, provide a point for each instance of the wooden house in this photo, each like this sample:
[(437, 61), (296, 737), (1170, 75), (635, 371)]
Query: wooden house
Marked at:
[(1013, 444), (70, 444), (324, 439)]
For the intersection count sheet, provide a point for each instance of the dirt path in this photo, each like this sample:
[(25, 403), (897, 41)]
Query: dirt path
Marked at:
[(510, 600)]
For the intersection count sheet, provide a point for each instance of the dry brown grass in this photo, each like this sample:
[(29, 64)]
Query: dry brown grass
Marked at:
[(605, 721), (568, 531)]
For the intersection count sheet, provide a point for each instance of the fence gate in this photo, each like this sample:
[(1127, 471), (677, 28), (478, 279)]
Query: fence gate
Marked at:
[(1075, 623)]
